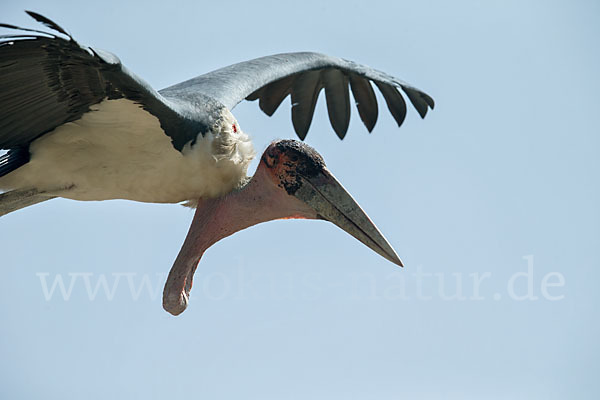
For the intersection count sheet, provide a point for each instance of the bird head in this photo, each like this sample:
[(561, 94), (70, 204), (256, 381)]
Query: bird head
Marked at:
[(291, 181)]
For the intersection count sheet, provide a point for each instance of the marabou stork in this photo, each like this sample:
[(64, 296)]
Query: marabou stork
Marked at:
[(77, 124)]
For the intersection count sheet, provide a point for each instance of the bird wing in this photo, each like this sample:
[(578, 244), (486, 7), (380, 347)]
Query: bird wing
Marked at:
[(47, 80), (302, 76)]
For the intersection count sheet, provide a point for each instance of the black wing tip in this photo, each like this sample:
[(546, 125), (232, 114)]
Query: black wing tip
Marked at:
[(341, 133), (268, 111), (300, 127), (429, 103), (428, 99), (300, 133), (419, 99), (369, 127), (48, 22)]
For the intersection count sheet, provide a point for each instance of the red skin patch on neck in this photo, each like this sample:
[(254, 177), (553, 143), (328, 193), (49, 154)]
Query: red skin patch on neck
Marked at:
[(234, 128)]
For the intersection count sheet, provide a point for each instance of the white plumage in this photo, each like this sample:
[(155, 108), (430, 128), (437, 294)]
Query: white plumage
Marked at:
[(119, 151)]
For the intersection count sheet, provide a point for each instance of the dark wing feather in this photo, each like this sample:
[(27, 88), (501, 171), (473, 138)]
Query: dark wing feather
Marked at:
[(272, 95), (50, 24), (338, 100), (36, 93), (305, 91), (47, 80), (420, 100), (13, 159), (366, 102), (395, 102), (270, 79)]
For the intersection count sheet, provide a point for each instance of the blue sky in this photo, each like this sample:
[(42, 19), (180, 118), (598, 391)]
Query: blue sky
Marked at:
[(498, 185)]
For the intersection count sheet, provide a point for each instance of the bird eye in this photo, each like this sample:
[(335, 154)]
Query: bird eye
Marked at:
[(234, 128), (270, 159)]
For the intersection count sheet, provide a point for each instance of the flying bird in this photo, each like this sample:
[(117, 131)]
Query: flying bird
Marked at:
[(77, 124)]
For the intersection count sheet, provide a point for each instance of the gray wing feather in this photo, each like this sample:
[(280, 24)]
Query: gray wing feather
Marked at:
[(270, 79)]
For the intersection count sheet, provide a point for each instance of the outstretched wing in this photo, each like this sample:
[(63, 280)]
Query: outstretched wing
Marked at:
[(47, 80), (302, 75)]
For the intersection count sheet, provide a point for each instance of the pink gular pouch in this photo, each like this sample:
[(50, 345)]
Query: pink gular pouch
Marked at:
[(291, 181)]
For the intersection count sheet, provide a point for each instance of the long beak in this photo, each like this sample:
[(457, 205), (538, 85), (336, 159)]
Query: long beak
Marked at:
[(332, 202)]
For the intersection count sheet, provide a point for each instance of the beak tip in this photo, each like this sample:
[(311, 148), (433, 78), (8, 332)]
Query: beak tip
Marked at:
[(393, 257)]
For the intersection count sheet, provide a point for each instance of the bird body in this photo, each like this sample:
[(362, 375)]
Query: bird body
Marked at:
[(78, 124), (127, 156)]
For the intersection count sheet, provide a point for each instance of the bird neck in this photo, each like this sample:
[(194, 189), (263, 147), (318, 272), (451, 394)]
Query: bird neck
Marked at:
[(260, 200)]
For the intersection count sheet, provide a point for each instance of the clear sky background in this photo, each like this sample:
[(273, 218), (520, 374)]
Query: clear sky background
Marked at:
[(499, 184)]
